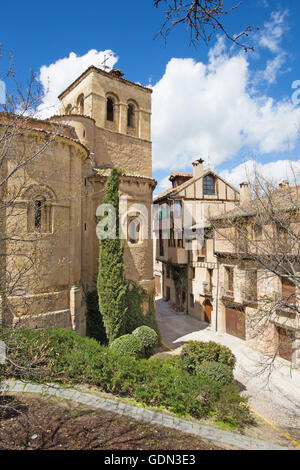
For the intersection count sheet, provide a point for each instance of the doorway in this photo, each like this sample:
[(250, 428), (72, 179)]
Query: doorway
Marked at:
[(208, 308)]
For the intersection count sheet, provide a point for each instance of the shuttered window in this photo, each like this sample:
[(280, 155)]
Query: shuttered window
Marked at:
[(288, 291)]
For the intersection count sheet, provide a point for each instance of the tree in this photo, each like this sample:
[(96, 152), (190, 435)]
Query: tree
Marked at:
[(204, 18), (111, 285), (261, 239), (21, 254)]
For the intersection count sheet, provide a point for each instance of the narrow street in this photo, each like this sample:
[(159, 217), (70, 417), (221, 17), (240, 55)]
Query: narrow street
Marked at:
[(276, 396)]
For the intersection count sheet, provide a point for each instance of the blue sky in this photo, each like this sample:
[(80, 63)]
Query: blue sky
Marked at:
[(215, 102)]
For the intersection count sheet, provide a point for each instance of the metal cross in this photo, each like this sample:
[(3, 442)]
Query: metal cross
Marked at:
[(103, 63)]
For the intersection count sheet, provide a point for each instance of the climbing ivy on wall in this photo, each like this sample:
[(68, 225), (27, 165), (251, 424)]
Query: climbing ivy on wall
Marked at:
[(111, 285), (124, 306), (141, 308), (179, 275)]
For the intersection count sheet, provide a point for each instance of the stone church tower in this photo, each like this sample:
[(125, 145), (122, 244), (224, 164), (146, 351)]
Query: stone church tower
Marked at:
[(106, 120)]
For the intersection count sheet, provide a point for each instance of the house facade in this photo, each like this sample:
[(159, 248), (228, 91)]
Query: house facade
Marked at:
[(257, 249), (188, 264)]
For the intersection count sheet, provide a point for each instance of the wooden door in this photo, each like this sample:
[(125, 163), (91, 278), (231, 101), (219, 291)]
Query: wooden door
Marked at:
[(235, 322), (207, 311), (157, 286)]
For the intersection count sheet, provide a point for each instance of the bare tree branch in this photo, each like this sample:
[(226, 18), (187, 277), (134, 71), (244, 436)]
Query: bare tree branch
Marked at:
[(204, 18)]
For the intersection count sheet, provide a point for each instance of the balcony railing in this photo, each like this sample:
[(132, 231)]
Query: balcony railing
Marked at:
[(207, 289), (250, 298), (227, 292)]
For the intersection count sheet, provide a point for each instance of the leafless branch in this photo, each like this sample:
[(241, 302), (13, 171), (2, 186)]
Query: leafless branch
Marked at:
[(204, 18)]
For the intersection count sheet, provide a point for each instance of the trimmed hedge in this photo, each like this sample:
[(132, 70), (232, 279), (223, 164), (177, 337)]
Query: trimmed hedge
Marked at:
[(64, 357), (196, 352), (128, 345), (149, 338), (215, 371)]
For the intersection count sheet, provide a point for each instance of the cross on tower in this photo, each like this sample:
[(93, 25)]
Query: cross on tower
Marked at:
[(103, 63)]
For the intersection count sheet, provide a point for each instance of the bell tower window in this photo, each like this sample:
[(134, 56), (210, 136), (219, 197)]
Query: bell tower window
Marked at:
[(131, 116), (80, 104), (110, 110)]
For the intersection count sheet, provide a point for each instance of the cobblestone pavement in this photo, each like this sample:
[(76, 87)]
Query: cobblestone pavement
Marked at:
[(116, 406), (277, 397)]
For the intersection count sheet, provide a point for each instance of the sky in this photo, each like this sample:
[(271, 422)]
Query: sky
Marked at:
[(238, 111)]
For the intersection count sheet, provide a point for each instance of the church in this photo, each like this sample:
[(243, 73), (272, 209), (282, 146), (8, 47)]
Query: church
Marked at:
[(104, 121)]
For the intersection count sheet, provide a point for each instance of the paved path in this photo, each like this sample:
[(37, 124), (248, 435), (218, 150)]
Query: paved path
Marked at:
[(116, 406), (276, 397)]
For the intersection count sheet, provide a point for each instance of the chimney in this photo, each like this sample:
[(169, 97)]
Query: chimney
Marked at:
[(198, 168), (284, 184), (244, 193)]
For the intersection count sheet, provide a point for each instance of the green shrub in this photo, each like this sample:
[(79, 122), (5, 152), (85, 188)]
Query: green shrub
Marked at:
[(215, 371), (196, 352), (148, 337), (128, 345), (62, 356), (230, 409), (94, 321)]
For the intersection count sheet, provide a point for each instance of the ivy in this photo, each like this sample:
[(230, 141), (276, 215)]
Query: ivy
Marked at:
[(138, 300), (179, 275), (111, 285), (124, 306)]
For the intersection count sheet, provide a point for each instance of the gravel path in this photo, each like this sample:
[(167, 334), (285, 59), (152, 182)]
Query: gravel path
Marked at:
[(276, 397)]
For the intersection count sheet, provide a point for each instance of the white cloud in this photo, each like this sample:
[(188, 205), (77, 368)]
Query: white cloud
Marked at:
[(273, 68), (202, 110), (276, 171), (270, 38), (163, 184), (273, 31), (59, 75)]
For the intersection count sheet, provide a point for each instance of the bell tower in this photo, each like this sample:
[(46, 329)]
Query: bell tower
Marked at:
[(119, 112)]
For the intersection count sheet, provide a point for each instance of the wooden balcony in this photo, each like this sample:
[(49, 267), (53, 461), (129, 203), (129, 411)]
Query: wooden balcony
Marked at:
[(177, 255), (227, 293)]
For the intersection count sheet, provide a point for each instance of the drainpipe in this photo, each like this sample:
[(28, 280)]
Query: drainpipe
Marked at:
[(187, 284), (218, 281), (217, 299)]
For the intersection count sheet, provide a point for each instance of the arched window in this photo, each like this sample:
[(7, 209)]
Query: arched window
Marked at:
[(134, 230), (209, 185), (39, 215), (131, 116), (39, 208), (110, 110), (80, 104), (38, 212), (69, 109)]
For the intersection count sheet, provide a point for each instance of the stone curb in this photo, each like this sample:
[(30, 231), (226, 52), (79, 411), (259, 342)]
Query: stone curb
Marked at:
[(115, 406)]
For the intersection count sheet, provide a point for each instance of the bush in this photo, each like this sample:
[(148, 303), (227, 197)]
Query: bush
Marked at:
[(230, 409), (62, 356), (128, 345), (148, 337), (215, 371), (196, 352), (94, 321)]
